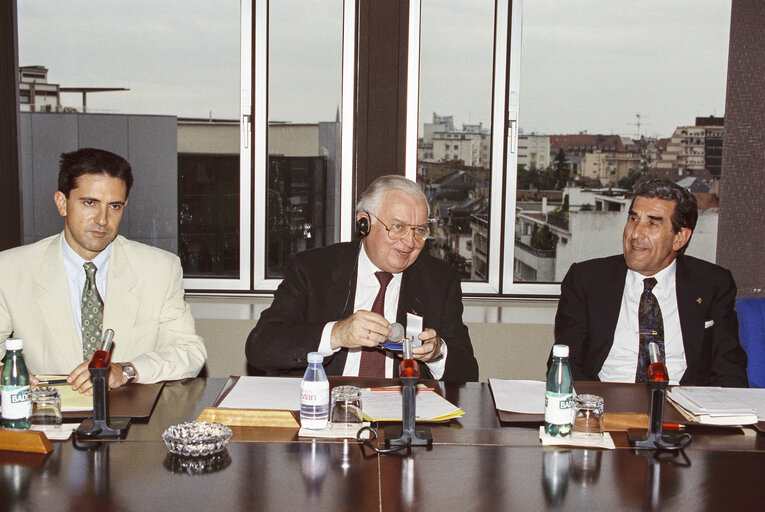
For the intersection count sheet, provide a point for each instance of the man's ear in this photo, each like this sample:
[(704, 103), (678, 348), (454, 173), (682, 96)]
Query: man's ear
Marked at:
[(681, 238), (60, 199)]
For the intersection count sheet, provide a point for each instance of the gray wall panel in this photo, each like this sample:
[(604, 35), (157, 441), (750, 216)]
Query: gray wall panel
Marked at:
[(149, 143), (153, 154), (52, 134)]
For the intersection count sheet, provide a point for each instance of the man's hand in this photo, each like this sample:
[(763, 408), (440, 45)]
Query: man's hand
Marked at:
[(80, 378), (361, 329), (430, 348)]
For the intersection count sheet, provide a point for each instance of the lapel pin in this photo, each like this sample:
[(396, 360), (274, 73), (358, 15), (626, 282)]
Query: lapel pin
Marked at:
[(698, 300)]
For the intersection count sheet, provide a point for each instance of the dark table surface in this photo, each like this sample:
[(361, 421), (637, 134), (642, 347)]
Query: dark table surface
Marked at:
[(476, 463)]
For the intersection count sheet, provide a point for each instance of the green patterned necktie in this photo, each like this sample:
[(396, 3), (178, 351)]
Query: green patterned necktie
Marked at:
[(92, 309)]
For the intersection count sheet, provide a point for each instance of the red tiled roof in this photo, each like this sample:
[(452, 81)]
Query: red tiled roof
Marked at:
[(586, 142)]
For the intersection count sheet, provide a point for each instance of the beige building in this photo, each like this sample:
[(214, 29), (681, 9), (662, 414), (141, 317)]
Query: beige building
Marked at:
[(534, 151), (685, 152), (35, 93)]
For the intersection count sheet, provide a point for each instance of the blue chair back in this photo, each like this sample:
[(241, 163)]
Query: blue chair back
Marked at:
[(751, 333)]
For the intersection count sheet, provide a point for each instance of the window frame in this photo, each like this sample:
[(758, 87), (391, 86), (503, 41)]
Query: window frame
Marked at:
[(260, 283)]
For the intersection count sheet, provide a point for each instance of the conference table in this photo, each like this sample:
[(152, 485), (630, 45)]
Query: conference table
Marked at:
[(477, 462)]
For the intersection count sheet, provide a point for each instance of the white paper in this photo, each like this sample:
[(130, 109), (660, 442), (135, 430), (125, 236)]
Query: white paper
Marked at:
[(520, 396), (387, 405), (603, 442), (60, 432), (414, 328), (715, 401), (337, 431), (274, 393)]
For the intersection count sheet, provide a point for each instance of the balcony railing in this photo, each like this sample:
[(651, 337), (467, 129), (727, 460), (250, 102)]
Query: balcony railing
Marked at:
[(558, 221), (541, 253)]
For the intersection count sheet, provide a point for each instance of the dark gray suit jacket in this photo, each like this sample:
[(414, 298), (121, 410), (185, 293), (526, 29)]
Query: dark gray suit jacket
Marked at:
[(319, 286), (591, 296)]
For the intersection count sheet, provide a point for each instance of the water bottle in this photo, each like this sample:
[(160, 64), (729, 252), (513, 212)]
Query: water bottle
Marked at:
[(314, 394), (559, 394), (14, 386)]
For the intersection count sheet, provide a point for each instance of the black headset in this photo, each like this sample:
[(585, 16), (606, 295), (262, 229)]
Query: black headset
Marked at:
[(362, 227)]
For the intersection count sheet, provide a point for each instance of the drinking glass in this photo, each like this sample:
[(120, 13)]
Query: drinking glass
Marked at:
[(588, 417), (46, 406), (346, 405)]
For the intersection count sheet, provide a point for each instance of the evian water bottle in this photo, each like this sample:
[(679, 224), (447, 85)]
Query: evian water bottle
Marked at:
[(314, 394)]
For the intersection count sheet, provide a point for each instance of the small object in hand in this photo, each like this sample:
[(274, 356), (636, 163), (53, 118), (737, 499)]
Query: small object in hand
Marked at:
[(196, 438), (46, 406), (588, 417)]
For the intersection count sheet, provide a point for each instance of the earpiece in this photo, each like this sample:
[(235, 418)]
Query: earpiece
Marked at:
[(362, 227)]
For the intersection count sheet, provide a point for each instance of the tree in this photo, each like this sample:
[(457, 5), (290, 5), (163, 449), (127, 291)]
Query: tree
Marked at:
[(629, 181), (524, 177), (560, 170), (543, 238)]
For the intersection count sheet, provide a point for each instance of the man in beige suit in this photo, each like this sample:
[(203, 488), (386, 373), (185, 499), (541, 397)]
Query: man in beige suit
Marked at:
[(43, 287)]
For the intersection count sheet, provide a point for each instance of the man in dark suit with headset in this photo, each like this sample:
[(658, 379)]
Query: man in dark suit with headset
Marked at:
[(325, 302)]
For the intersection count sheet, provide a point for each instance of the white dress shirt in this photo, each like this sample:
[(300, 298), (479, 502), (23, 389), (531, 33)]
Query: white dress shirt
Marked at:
[(75, 276), (367, 287), (621, 363)]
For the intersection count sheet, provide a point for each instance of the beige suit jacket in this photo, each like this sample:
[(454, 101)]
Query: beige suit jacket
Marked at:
[(153, 326)]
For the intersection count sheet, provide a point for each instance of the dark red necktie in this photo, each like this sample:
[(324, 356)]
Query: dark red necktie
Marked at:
[(373, 359)]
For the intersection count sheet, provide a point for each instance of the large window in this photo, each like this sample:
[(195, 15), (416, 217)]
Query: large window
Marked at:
[(454, 138), (527, 123), (161, 86), (305, 49), (611, 93)]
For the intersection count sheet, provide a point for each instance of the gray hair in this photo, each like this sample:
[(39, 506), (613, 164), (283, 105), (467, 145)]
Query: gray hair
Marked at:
[(372, 197)]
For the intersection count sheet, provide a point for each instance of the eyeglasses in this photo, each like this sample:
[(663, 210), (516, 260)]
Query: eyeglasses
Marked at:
[(399, 231)]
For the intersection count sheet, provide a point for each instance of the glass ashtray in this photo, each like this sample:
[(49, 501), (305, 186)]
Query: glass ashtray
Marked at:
[(196, 438)]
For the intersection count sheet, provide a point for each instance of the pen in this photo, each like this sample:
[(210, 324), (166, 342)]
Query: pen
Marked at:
[(51, 382), (397, 388), (672, 426)]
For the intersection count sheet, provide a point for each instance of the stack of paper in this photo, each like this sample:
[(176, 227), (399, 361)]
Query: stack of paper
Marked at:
[(716, 406), (71, 400), (385, 404)]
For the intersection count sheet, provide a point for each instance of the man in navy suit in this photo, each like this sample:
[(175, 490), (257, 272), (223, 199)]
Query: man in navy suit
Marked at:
[(327, 300), (598, 310)]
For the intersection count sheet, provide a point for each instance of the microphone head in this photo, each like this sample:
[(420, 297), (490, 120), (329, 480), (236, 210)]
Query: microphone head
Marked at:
[(396, 333)]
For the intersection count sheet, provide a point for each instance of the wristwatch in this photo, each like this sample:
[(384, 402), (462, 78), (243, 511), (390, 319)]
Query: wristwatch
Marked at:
[(129, 372), (440, 352)]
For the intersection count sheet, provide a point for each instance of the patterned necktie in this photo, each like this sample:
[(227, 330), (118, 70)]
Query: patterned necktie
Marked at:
[(651, 327), (92, 310), (372, 359)]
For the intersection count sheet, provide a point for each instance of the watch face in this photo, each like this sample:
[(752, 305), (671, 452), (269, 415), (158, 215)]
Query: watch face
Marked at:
[(129, 372)]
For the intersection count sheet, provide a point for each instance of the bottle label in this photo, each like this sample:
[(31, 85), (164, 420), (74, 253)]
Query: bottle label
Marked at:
[(558, 408), (314, 393), (16, 403)]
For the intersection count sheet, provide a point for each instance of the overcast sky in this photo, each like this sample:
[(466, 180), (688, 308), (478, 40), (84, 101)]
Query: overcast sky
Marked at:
[(586, 64)]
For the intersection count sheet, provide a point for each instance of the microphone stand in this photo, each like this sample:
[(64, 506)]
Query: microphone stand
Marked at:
[(101, 425), (658, 379), (407, 434)]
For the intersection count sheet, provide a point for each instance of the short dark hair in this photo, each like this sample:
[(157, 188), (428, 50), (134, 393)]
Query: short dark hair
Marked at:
[(92, 161), (686, 208)]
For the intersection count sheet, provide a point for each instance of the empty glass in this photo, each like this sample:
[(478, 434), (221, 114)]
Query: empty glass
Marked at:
[(346, 405)]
